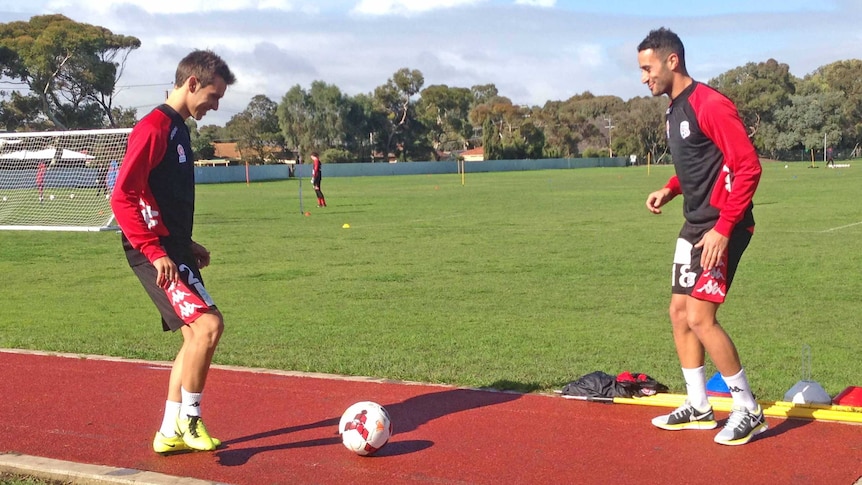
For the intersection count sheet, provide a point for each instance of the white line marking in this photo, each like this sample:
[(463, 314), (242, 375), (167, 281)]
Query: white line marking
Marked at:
[(842, 227)]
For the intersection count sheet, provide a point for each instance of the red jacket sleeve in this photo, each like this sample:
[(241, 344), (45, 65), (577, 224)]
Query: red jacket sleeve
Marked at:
[(674, 186), (741, 171), (131, 200)]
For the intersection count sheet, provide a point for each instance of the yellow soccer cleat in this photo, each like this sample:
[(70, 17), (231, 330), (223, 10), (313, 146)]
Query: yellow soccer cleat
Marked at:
[(194, 434), (164, 445), (168, 444)]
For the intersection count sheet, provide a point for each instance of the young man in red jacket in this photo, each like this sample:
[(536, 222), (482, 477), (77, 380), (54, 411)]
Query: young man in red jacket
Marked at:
[(153, 201), (316, 176), (717, 172)]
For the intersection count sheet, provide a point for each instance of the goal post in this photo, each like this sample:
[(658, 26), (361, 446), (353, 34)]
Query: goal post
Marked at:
[(59, 180)]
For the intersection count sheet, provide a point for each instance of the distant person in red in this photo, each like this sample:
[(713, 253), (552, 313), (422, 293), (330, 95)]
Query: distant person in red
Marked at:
[(154, 203), (40, 178), (717, 173), (315, 179), (829, 159)]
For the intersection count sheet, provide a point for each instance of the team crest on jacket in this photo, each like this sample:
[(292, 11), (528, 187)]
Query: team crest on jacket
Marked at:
[(181, 153), (684, 130)]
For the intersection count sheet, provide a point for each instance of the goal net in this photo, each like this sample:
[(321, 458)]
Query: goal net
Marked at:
[(59, 180)]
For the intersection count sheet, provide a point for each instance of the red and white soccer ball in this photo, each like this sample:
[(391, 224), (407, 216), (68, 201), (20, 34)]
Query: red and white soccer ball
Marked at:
[(365, 428)]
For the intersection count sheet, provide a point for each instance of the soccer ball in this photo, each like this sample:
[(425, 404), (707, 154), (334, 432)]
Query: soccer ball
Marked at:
[(365, 428)]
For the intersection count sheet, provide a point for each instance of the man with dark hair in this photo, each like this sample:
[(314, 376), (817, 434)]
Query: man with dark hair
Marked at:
[(316, 176), (717, 173), (154, 201)]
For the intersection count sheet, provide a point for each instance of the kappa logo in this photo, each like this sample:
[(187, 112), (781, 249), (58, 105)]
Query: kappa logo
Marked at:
[(711, 287), (178, 295), (178, 301), (187, 309), (150, 216), (734, 389), (181, 153), (728, 178), (716, 273), (684, 130)]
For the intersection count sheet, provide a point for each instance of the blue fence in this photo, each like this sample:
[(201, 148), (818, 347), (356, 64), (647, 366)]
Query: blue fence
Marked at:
[(75, 178), (257, 173), (89, 177)]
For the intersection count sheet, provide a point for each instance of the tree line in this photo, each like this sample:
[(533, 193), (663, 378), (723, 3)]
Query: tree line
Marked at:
[(69, 73)]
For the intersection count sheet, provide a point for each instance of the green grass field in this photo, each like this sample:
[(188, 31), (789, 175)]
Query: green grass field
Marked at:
[(518, 280), (59, 207), (14, 479)]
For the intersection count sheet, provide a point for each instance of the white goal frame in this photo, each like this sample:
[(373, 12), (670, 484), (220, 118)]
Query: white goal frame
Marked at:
[(59, 180)]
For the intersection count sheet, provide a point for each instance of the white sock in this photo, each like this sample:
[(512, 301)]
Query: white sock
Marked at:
[(169, 421), (740, 390), (191, 403), (695, 388)]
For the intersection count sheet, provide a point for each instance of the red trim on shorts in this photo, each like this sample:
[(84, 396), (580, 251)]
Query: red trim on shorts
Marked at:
[(187, 304), (712, 284)]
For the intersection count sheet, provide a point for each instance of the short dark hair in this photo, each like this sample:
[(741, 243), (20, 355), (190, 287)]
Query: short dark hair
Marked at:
[(314, 154), (665, 42), (204, 65)]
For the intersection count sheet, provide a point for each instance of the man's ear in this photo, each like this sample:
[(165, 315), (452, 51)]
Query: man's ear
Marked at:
[(673, 61), (192, 83)]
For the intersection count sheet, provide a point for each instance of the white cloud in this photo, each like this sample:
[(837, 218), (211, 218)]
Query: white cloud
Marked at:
[(590, 55), (173, 6), (537, 3), (406, 7), (531, 54)]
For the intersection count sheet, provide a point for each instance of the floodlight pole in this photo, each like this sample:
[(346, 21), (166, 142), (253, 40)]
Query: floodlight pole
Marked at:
[(610, 127)]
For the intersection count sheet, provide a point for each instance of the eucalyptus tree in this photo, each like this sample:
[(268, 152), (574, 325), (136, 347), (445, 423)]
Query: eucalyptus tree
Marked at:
[(256, 130), (758, 90), (505, 118), (445, 111), (319, 118), (808, 120), (640, 128), (71, 67), (844, 78), (21, 112), (557, 122), (402, 131), (482, 93)]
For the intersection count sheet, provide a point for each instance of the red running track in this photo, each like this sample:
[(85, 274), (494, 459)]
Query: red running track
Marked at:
[(281, 428)]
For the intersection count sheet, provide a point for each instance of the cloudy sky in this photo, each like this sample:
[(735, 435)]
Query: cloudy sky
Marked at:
[(532, 50)]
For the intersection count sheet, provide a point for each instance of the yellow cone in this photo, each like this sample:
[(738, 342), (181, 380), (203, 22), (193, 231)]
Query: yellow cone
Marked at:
[(346, 226)]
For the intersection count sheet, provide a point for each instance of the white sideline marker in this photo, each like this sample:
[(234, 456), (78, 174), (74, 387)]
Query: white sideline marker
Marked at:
[(841, 227)]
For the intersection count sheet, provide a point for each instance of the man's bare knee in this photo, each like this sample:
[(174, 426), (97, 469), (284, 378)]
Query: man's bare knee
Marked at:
[(209, 328), (677, 312)]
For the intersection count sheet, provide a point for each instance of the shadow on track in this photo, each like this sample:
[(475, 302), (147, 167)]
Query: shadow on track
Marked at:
[(406, 416)]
